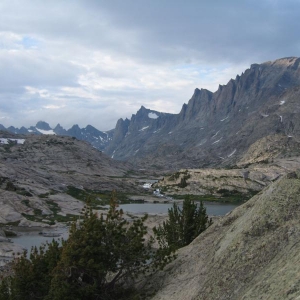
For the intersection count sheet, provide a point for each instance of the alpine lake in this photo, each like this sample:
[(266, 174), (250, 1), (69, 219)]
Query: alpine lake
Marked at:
[(31, 237)]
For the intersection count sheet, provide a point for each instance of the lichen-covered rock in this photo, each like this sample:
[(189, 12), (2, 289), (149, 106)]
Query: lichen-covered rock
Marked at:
[(251, 253)]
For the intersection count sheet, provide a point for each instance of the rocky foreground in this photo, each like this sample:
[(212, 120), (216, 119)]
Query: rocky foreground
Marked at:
[(251, 253)]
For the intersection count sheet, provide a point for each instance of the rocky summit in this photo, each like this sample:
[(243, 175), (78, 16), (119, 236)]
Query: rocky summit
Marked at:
[(217, 129)]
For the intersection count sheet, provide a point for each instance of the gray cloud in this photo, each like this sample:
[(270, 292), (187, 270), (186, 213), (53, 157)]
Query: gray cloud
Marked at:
[(94, 61)]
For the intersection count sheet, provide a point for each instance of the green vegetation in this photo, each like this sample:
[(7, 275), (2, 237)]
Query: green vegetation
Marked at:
[(94, 197), (182, 184), (23, 192), (46, 195), (100, 260), (37, 215), (226, 196), (7, 147), (10, 186), (174, 176), (9, 233), (183, 225)]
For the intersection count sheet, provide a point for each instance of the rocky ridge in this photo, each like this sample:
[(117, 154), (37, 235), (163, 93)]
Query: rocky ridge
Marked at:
[(217, 129), (98, 139)]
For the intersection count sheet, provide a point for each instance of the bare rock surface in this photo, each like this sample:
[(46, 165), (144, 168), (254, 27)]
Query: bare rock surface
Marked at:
[(35, 175), (251, 253), (244, 180)]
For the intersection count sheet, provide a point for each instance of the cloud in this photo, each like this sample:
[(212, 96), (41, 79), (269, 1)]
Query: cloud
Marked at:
[(94, 61)]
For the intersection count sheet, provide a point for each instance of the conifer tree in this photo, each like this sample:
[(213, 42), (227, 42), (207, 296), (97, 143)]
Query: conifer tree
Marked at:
[(183, 225)]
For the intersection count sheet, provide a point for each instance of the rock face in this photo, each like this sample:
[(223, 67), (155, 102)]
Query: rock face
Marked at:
[(36, 170), (130, 136), (252, 253), (216, 129)]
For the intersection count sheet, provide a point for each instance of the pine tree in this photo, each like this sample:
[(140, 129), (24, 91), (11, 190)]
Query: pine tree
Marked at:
[(183, 225)]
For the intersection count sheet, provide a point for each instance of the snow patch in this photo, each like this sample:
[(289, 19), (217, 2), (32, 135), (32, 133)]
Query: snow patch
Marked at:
[(217, 141), (51, 132), (170, 132), (231, 153), (113, 154), (282, 102), (264, 115), (147, 185), (142, 129), (6, 141), (215, 134), (152, 115), (224, 119)]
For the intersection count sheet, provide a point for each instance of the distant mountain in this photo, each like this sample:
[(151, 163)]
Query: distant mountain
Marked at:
[(252, 118), (217, 129), (98, 139)]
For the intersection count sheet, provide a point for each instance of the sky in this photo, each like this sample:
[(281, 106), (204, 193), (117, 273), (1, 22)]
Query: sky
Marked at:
[(95, 61)]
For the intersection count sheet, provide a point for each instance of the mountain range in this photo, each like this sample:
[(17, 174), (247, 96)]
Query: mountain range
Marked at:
[(257, 110), (98, 139)]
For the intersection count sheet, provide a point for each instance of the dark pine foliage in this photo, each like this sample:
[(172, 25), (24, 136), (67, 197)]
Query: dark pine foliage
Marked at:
[(100, 260), (183, 225)]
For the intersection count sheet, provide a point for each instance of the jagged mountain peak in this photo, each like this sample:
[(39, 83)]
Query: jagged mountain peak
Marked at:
[(43, 125), (95, 137), (217, 128), (285, 62), (146, 113)]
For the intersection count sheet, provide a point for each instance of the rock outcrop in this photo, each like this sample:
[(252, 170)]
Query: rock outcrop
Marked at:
[(36, 172), (257, 170), (251, 253)]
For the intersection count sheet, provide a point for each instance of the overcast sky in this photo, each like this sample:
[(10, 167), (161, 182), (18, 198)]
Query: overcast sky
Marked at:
[(93, 61)]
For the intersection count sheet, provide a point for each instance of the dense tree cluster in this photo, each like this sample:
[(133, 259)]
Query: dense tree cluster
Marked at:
[(183, 225)]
